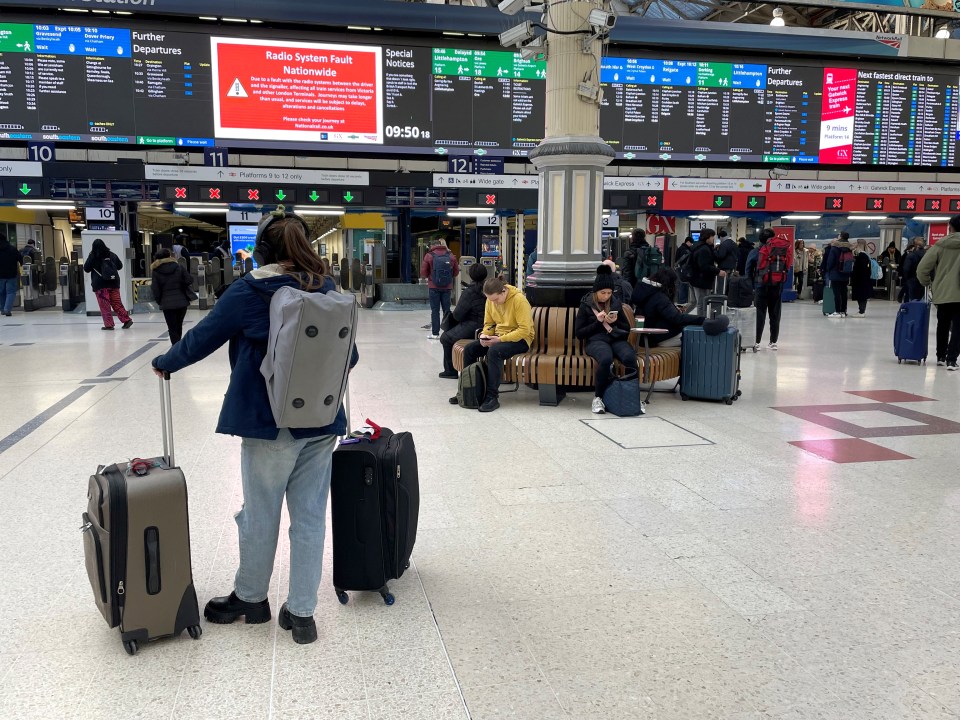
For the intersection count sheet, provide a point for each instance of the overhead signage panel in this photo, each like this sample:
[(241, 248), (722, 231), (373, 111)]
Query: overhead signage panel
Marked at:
[(19, 168), (255, 175), (532, 182)]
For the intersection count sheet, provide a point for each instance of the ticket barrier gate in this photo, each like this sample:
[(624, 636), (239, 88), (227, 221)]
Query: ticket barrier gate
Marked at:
[(466, 262), (71, 282), (200, 269), (39, 284)]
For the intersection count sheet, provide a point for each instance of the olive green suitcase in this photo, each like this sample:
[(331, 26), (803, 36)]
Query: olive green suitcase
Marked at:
[(136, 540)]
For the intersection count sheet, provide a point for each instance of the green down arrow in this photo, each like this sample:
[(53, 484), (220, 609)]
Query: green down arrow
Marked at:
[(314, 196), (25, 189), (348, 196), (719, 202), (753, 202), (281, 195)]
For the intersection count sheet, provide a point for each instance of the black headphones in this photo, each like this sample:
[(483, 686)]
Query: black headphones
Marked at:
[(263, 252)]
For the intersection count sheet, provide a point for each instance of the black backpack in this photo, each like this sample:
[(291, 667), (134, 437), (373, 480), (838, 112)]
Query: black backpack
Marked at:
[(108, 271), (685, 267), (472, 388)]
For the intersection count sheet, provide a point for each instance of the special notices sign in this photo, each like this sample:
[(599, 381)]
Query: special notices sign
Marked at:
[(297, 91)]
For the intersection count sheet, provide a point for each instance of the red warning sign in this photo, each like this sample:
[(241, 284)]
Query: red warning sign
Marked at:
[(297, 91)]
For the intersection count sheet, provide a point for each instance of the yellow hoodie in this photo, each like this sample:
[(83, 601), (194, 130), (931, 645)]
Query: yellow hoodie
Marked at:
[(512, 321)]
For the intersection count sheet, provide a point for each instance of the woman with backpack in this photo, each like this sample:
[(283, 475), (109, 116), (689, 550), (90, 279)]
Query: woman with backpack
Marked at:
[(172, 288), (104, 267), (275, 463), (861, 279), (603, 327)]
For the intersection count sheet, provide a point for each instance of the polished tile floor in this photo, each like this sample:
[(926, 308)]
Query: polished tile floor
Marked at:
[(794, 556)]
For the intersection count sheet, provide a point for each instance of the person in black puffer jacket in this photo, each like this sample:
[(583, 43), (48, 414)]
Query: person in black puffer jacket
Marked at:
[(104, 267), (171, 285), (10, 262), (653, 299), (603, 327), (468, 316)]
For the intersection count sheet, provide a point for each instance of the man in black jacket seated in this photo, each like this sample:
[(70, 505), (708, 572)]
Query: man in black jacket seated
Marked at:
[(467, 316), (653, 299)]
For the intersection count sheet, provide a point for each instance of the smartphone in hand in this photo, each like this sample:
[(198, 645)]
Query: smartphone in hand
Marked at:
[(612, 316)]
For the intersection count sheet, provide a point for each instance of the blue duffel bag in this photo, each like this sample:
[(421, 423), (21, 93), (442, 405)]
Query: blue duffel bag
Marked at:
[(622, 397)]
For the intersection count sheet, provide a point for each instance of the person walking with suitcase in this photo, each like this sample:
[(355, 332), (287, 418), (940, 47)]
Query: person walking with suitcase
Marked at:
[(940, 270), (439, 267), (104, 267), (10, 262), (837, 267), (276, 463), (172, 288), (774, 260)]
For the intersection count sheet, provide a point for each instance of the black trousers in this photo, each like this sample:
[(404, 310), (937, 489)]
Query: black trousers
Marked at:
[(769, 299), (463, 331), (948, 332), (496, 355), (174, 320), (839, 288), (604, 352)]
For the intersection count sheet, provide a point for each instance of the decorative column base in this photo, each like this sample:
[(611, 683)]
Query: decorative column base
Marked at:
[(570, 218)]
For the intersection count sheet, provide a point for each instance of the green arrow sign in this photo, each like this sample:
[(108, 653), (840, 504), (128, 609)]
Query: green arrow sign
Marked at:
[(719, 202), (280, 195), (348, 196), (314, 196), (753, 202), (25, 189)]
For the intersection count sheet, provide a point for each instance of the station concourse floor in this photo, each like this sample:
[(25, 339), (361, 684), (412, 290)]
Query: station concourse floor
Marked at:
[(794, 556)]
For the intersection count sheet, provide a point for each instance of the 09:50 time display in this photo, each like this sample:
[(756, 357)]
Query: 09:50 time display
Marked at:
[(406, 131)]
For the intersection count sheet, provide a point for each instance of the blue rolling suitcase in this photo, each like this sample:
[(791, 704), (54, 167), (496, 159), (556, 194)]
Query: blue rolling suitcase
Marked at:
[(912, 331), (710, 365)]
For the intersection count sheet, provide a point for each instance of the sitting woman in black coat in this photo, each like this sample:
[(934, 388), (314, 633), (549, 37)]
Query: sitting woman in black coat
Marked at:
[(467, 317), (653, 300), (603, 326)]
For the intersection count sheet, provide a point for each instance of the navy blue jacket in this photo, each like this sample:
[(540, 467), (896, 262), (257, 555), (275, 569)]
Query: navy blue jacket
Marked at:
[(242, 318), (831, 265)]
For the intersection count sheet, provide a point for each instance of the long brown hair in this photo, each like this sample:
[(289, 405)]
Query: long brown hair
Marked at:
[(294, 253)]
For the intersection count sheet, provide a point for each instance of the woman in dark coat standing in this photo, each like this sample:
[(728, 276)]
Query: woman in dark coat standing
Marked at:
[(861, 281), (104, 268), (172, 288)]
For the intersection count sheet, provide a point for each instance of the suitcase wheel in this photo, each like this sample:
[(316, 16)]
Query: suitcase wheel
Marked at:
[(342, 596), (195, 631), (131, 647), (729, 401), (388, 597), (684, 397)]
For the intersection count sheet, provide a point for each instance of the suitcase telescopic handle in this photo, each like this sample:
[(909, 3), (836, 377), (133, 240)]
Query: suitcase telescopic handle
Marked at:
[(166, 420)]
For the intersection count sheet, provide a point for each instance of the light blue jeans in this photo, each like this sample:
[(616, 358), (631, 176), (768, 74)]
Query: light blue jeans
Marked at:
[(8, 293), (272, 469)]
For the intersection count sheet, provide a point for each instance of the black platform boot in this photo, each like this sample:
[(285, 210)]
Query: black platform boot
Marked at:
[(224, 610)]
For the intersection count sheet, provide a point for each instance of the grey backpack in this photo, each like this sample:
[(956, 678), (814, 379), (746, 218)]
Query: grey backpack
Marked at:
[(308, 355)]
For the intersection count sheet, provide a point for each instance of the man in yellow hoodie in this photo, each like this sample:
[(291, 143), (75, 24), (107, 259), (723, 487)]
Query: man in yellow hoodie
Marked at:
[(507, 331)]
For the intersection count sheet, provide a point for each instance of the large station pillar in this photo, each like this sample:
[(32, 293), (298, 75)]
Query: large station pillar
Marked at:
[(571, 160)]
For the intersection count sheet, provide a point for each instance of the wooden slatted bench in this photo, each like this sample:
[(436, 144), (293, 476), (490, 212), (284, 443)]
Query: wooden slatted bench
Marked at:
[(556, 359)]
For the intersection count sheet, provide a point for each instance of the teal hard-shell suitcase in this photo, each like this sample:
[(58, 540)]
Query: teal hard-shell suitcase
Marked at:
[(710, 365)]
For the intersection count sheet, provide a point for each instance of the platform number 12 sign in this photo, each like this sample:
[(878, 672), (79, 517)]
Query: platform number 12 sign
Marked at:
[(488, 221)]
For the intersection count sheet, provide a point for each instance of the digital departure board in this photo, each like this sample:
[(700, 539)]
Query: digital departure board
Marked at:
[(147, 86)]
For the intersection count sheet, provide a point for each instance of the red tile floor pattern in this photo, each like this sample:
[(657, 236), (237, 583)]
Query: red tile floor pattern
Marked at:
[(849, 450), (855, 449)]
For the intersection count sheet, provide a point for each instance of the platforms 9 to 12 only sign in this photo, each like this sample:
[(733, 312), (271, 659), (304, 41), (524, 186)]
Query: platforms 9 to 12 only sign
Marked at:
[(293, 91)]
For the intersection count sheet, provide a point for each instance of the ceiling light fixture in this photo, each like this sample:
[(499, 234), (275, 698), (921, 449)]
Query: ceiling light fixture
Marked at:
[(943, 33), (778, 20), (931, 218), (801, 217), (866, 217), (45, 205)]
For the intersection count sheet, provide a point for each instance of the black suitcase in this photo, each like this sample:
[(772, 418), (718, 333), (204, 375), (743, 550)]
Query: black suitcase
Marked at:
[(136, 540), (375, 497)]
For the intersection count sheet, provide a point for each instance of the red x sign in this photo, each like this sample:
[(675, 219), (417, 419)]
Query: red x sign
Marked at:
[(878, 204), (491, 199), (935, 205), (181, 193), (253, 194), (651, 200), (837, 203), (214, 193)]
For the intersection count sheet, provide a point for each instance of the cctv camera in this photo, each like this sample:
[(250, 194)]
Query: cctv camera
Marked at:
[(512, 7), (534, 48), (517, 35), (601, 20)]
